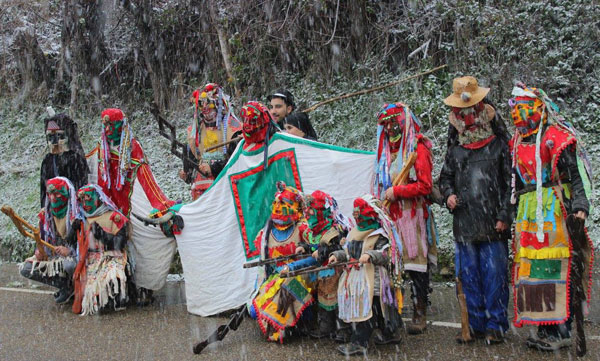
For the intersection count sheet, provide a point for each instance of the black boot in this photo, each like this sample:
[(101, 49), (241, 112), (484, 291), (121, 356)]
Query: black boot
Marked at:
[(325, 324)]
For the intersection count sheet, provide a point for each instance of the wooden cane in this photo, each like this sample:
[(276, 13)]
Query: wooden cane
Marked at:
[(33, 232), (402, 177), (224, 143)]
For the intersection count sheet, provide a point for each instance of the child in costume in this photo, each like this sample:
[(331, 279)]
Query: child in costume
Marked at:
[(58, 223), (321, 237), (475, 183), (402, 148), (366, 294), (281, 302), (100, 276), (550, 185)]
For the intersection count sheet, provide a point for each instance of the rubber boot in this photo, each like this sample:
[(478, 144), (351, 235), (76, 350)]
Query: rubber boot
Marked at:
[(419, 320)]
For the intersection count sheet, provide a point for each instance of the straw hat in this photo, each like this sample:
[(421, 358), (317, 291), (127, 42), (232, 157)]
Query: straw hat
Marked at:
[(466, 92)]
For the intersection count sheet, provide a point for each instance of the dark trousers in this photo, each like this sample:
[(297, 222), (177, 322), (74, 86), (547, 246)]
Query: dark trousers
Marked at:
[(420, 287), (56, 281), (361, 331)]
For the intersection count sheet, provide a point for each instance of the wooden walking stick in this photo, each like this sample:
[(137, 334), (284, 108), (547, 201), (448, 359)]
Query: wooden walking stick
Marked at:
[(464, 314), (31, 231), (402, 177), (370, 90)]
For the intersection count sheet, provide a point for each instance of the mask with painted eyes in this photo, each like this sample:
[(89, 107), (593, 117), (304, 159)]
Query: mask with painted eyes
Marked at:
[(57, 141), (113, 131), (89, 199), (527, 114), (365, 216), (287, 207), (255, 118), (58, 195)]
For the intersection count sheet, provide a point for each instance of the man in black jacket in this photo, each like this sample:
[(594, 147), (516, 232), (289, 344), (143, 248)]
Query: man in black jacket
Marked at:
[(475, 182)]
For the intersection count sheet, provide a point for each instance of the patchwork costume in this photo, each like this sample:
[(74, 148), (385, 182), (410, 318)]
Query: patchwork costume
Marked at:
[(280, 302), (61, 211), (550, 185), (402, 149), (66, 157), (214, 123), (101, 273), (366, 293), (476, 173)]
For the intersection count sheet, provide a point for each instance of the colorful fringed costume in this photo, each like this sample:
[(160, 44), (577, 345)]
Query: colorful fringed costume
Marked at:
[(550, 185), (475, 184), (280, 302), (214, 123), (101, 273), (401, 148), (60, 213), (366, 293)]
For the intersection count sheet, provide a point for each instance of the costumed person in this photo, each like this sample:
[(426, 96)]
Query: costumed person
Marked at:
[(281, 104), (550, 177), (280, 302), (66, 157), (321, 237), (121, 162), (122, 165), (214, 123), (475, 183), (366, 294), (299, 125), (403, 177), (60, 213), (101, 276), (257, 126)]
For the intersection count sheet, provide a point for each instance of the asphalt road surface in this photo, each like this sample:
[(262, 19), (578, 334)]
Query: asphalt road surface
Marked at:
[(33, 327)]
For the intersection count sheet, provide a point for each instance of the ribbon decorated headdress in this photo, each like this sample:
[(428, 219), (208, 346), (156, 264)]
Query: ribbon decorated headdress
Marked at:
[(213, 98), (397, 130), (61, 200), (115, 116), (322, 213), (107, 203)]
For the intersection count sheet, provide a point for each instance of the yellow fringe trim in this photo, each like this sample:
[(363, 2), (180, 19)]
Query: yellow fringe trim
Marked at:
[(544, 253)]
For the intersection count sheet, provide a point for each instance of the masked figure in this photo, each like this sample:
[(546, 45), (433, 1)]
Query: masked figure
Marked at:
[(281, 302), (59, 221), (403, 178), (549, 186), (100, 277), (214, 123), (257, 126), (321, 236), (121, 163), (66, 157), (366, 294), (475, 183)]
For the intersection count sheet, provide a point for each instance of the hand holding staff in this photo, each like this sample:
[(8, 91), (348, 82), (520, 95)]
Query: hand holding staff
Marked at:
[(402, 177), (267, 261), (317, 269)]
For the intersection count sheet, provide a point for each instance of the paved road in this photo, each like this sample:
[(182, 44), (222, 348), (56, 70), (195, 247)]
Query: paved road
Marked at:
[(33, 327)]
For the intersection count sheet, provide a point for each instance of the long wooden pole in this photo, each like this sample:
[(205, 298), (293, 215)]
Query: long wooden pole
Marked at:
[(370, 90)]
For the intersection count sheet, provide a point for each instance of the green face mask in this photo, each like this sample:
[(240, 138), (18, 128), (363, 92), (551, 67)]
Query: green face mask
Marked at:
[(59, 198), (90, 201), (113, 131)]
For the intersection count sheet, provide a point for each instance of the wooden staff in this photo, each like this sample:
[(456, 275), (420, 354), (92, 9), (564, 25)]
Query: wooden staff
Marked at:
[(312, 269), (224, 143), (32, 232), (267, 261), (402, 177), (370, 90)]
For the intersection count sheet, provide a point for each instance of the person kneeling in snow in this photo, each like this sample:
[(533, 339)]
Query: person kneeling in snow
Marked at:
[(58, 221)]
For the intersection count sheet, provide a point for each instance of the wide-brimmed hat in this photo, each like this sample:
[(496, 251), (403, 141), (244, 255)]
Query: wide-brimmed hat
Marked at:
[(466, 92)]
